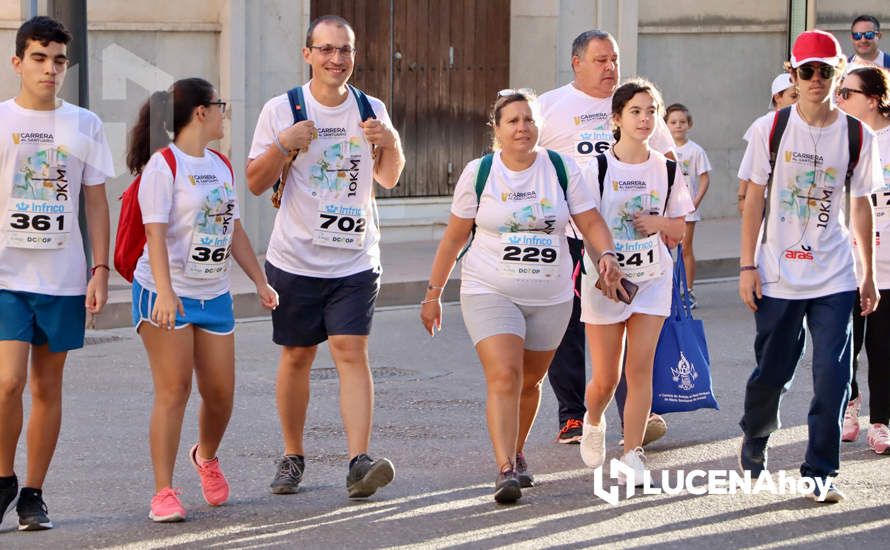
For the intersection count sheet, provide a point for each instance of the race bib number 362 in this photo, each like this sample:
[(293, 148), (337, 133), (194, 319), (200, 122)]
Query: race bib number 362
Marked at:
[(529, 256), (340, 226), (37, 224)]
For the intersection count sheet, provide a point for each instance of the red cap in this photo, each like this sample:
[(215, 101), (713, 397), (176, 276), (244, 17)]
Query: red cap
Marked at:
[(818, 46)]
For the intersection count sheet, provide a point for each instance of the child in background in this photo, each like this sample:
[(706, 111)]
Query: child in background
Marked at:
[(693, 161)]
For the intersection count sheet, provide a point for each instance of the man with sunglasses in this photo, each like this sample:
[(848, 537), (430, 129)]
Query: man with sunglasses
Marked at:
[(324, 255), (577, 122), (801, 267), (865, 34)]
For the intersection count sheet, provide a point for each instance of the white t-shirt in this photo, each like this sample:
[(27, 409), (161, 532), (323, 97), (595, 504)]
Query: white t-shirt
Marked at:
[(628, 190), (745, 165), (808, 250), (693, 162), (45, 158), (580, 125), (329, 195), (528, 205), (200, 208), (881, 203)]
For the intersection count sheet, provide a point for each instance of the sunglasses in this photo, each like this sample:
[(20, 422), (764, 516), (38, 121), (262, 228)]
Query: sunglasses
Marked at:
[(868, 35), (518, 91), (222, 105), (844, 93), (806, 72)]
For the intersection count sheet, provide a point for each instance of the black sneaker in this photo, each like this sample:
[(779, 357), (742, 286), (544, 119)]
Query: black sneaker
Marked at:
[(7, 496), (32, 510), (752, 455), (289, 475), (526, 479), (570, 431), (366, 475), (507, 488)]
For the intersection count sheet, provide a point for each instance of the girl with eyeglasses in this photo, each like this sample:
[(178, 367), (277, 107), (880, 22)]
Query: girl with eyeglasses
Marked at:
[(642, 209), (865, 94), (797, 258), (516, 280), (182, 307)]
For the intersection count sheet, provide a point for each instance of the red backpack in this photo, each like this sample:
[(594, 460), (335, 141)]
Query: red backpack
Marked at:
[(129, 241)]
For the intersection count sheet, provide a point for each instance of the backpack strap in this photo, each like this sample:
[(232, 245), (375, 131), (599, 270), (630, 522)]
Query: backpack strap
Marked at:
[(297, 104), (225, 159), (602, 165), (561, 175), (365, 110), (854, 143), (671, 166), (481, 178), (168, 155), (780, 122)]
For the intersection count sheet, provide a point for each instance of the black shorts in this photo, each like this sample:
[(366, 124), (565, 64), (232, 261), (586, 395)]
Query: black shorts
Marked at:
[(312, 308)]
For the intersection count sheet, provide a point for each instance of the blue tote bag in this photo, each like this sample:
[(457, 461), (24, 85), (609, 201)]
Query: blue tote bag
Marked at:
[(681, 377)]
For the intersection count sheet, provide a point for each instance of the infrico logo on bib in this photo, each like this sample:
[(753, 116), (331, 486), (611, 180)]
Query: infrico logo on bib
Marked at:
[(39, 208), (529, 256)]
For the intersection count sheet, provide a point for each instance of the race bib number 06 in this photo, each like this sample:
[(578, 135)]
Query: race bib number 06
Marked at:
[(529, 256), (37, 224), (340, 226), (640, 259)]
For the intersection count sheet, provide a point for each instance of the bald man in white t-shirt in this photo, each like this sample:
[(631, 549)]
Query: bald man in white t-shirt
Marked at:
[(577, 122)]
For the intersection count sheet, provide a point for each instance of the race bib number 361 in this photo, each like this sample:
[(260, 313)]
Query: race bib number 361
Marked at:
[(340, 226), (529, 256), (37, 224)]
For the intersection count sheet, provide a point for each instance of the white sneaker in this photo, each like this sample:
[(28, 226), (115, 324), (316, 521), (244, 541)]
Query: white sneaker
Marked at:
[(635, 459), (593, 443)]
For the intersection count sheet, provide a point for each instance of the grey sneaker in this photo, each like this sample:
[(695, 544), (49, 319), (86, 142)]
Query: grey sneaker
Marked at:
[(526, 479), (507, 488), (289, 475), (367, 475)]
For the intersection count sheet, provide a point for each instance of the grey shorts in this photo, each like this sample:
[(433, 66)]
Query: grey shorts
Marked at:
[(542, 327)]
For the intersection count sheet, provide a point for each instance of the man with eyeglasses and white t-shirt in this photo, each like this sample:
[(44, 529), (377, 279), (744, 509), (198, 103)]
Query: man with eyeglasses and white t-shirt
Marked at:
[(865, 34)]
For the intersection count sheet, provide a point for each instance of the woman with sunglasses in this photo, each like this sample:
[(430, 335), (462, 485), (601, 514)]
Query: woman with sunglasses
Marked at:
[(866, 95), (182, 307), (516, 279), (641, 209), (799, 266)]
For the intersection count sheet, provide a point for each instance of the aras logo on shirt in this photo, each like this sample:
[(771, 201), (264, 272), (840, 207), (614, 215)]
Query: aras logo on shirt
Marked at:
[(805, 254), (25, 138)]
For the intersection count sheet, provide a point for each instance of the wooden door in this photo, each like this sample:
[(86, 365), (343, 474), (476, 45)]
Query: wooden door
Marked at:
[(438, 66)]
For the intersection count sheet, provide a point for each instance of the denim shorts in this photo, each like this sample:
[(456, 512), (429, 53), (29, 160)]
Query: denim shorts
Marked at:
[(312, 308), (215, 316), (43, 319)]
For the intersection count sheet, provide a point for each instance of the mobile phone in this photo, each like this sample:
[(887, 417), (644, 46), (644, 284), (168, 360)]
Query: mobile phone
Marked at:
[(630, 288)]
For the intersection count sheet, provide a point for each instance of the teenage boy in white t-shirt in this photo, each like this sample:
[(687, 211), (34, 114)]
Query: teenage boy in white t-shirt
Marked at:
[(801, 268), (50, 152), (577, 122), (694, 163), (324, 258)]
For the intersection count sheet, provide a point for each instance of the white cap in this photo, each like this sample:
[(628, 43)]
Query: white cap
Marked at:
[(780, 84)]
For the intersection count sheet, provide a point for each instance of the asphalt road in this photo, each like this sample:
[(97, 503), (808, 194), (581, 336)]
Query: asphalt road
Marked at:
[(430, 420)]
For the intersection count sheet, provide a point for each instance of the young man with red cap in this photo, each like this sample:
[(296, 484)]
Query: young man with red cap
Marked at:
[(801, 267)]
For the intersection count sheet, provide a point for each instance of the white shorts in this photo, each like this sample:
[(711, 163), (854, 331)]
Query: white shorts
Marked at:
[(542, 327)]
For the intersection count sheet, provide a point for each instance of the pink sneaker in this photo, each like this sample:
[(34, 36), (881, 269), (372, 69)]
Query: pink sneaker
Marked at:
[(165, 506), (879, 438), (214, 486), (851, 420)]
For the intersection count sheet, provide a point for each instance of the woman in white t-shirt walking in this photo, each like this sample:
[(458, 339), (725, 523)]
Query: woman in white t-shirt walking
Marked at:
[(865, 94), (516, 280), (182, 307), (642, 211)]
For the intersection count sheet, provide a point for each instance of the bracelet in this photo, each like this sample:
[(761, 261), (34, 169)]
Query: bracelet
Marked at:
[(95, 267), (431, 300), (747, 268), (284, 150), (607, 253), (434, 287), (741, 197)]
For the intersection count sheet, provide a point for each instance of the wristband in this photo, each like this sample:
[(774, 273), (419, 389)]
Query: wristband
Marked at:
[(434, 287), (607, 253), (747, 268), (431, 300), (741, 197), (284, 150), (95, 267)]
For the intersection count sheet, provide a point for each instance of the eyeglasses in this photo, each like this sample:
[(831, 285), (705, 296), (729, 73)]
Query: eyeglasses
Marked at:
[(844, 93), (328, 51), (222, 105), (806, 72), (868, 35), (518, 91)]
